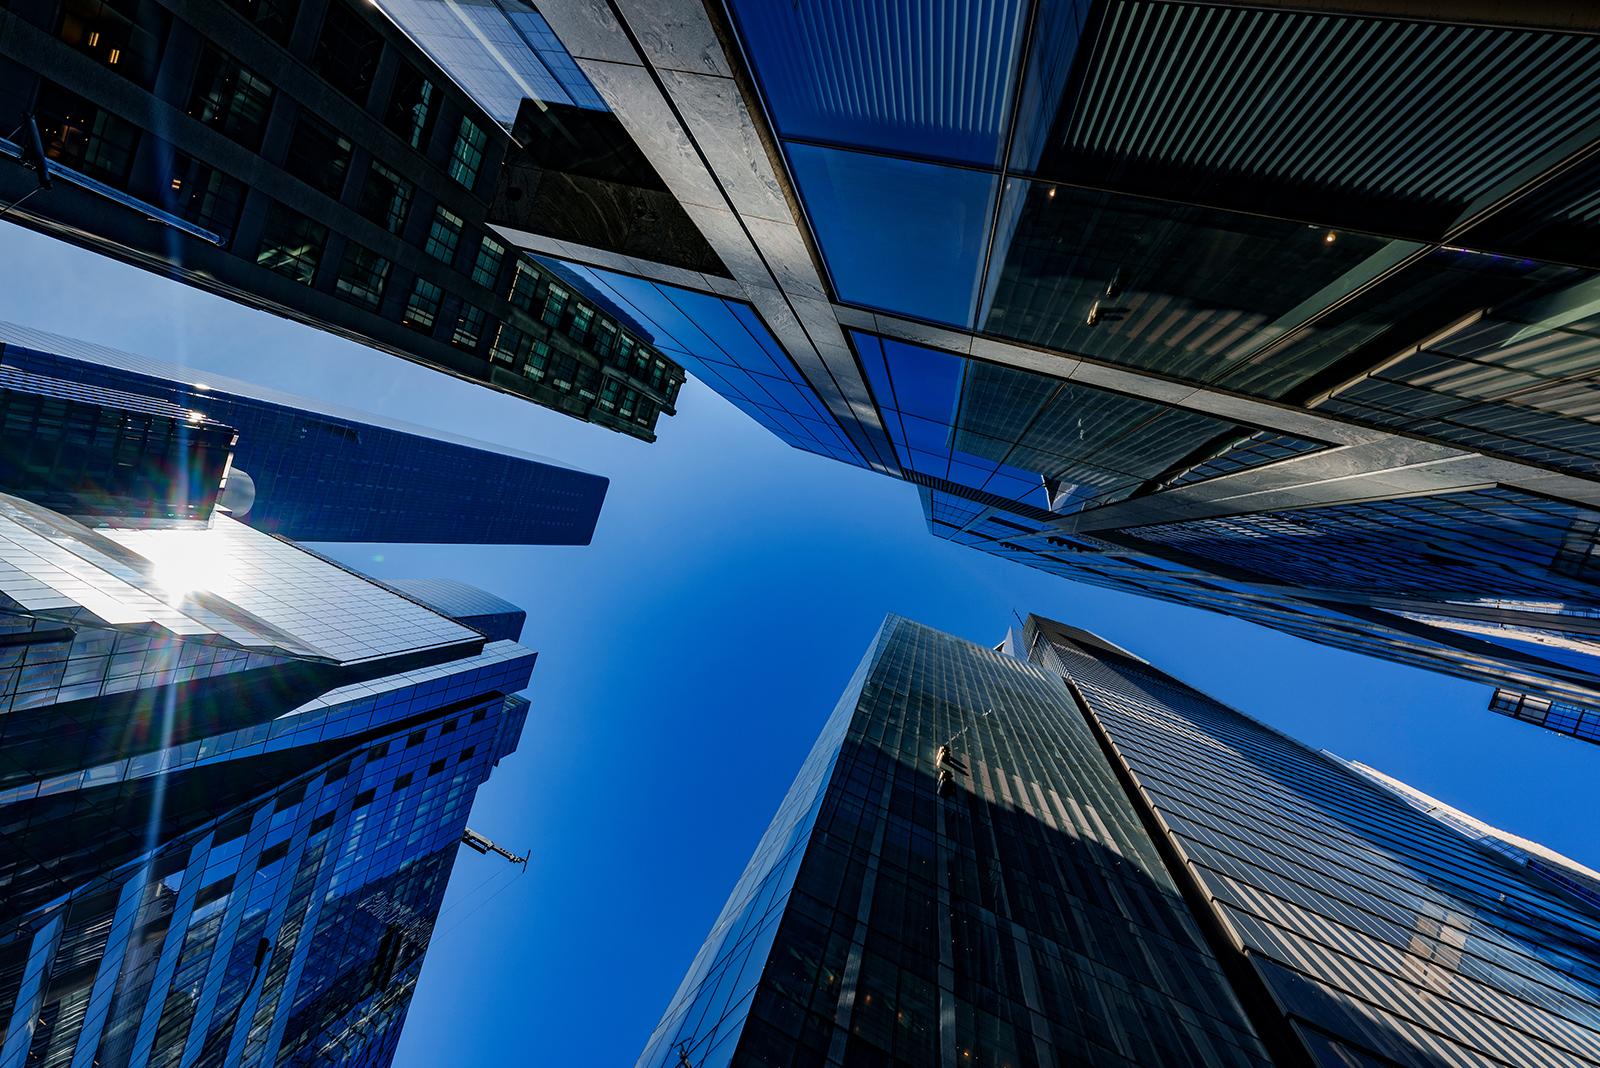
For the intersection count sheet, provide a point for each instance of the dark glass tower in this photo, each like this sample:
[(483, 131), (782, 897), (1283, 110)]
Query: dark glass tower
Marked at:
[(1379, 926), (317, 472), (304, 157), (233, 773), (1286, 311), (1079, 860)]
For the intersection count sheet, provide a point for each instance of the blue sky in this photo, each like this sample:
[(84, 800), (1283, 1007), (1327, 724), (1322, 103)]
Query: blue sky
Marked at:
[(688, 657)]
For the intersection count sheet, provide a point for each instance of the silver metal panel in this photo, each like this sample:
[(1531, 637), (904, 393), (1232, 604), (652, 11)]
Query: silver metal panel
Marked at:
[(589, 30), (633, 97), (722, 127), (675, 36)]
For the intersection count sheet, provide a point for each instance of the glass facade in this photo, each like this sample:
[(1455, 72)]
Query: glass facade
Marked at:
[(334, 170), (497, 620), (955, 874), (1381, 929), (287, 929), (1052, 853), (1277, 312), (87, 450), (727, 346), (501, 52), (395, 483), (233, 773)]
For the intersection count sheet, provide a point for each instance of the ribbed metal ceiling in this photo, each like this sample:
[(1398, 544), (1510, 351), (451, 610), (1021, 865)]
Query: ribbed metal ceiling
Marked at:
[(1419, 111), (925, 77)]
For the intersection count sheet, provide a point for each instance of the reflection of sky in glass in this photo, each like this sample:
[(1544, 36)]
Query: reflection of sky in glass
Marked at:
[(918, 389), (899, 236), (725, 345), (500, 51), (923, 77)]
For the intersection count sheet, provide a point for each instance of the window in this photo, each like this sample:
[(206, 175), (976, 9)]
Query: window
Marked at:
[(524, 286), (423, 306), (609, 392), (582, 316), (348, 50), (469, 328), (587, 378), (275, 18), (317, 155), (291, 244), (444, 234), (562, 368), (605, 339), (203, 195), (386, 198), (538, 360), (362, 275), (80, 135), (413, 107), (487, 266), (510, 345), (467, 154), (229, 98), (123, 35), (555, 300)]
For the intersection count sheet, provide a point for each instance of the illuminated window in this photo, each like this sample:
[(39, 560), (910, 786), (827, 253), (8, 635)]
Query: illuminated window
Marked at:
[(82, 136), (125, 36)]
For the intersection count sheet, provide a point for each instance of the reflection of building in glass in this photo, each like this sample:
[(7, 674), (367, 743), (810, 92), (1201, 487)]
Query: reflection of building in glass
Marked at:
[(1062, 855), (306, 159), (1285, 313), (233, 773), (323, 473)]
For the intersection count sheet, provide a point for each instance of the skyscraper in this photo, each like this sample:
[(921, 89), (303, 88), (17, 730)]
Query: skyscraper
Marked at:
[(303, 157), (1051, 853), (1284, 311), (233, 773), (318, 472)]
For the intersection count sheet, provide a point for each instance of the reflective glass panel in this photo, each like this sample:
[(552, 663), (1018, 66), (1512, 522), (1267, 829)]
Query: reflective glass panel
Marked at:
[(1028, 439), (900, 236), (1186, 291), (725, 345)]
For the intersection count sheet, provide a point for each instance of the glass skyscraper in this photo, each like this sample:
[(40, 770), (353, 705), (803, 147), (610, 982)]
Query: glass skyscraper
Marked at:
[(305, 158), (1283, 312), (1051, 853), (233, 773), (318, 472)]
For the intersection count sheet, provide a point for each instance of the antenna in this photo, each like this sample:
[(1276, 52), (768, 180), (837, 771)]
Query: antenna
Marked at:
[(473, 840)]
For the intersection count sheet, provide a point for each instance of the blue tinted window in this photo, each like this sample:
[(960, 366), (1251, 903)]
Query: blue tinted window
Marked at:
[(725, 344), (1056, 31), (922, 77), (904, 237)]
